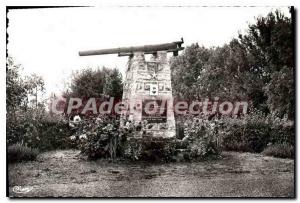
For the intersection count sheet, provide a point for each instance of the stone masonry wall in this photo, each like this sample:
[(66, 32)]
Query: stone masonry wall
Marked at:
[(149, 81)]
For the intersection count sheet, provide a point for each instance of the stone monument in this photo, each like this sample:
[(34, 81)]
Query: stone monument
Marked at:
[(147, 87)]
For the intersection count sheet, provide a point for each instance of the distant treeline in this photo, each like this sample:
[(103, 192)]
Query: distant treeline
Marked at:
[(257, 66)]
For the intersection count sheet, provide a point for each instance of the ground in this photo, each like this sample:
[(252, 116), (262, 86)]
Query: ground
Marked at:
[(66, 174)]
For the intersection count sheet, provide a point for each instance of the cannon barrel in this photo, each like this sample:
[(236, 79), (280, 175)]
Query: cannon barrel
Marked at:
[(147, 49)]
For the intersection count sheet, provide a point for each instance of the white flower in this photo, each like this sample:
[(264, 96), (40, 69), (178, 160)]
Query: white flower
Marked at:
[(73, 137), (77, 119), (98, 120), (83, 136), (127, 125), (109, 127)]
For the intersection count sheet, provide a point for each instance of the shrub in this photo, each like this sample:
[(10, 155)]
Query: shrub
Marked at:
[(38, 129), (282, 150), (20, 153), (201, 137), (51, 135), (283, 133), (196, 138), (101, 139), (150, 148), (245, 136), (253, 132), (104, 138)]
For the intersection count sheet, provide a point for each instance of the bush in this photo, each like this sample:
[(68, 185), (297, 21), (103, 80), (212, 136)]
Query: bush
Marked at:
[(150, 148), (104, 138), (245, 136), (283, 133), (282, 150), (20, 153), (100, 138), (196, 138), (38, 129), (51, 135), (201, 137), (254, 132)]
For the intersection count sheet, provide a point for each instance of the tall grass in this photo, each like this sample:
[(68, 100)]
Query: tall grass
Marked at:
[(19, 153), (282, 150)]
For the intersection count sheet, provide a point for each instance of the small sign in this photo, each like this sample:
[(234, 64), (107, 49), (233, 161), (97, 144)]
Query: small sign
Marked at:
[(153, 89), (159, 115)]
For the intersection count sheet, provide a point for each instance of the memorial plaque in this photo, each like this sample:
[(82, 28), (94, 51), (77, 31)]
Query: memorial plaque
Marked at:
[(154, 111)]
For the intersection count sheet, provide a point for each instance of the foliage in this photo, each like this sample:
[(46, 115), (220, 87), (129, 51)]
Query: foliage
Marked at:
[(218, 71), (113, 84), (269, 43), (186, 68), (53, 134), (282, 150), (90, 82), (254, 132), (36, 128), (100, 137), (150, 148), (280, 91), (282, 131), (104, 138), (245, 135), (87, 82), (18, 153), (256, 67), (15, 86), (22, 92), (27, 121), (35, 90), (201, 137)]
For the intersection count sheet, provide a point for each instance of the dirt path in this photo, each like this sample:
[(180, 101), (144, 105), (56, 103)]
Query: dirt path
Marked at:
[(63, 173)]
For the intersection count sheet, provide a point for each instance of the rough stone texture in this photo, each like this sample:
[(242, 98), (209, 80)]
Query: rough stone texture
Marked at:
[(148, 81)]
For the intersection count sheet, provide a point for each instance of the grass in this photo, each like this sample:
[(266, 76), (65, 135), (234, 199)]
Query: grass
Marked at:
[(20, 153), (62, 173), (282, 150)]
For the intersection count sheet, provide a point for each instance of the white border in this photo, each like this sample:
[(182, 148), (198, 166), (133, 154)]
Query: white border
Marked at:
[(106, 3)]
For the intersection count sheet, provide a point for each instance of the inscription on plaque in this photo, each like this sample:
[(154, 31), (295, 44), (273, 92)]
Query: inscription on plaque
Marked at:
[(154, 111)]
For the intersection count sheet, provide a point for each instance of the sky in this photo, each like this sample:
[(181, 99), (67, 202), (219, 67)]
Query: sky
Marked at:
[(47, 41)]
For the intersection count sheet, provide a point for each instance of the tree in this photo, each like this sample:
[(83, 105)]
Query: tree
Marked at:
[(19, 89), (186, 68), (113, 85), (94, 83), (258, 67), (36, 89), (213, 72), (269, 43), (15, 87), (22, 118), (87, 83)]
